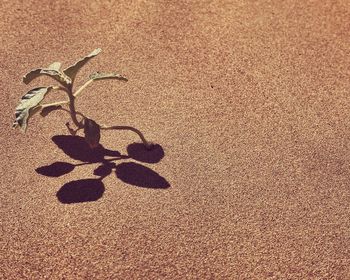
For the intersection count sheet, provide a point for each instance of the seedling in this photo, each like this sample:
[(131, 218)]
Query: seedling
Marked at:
[(31, 102)]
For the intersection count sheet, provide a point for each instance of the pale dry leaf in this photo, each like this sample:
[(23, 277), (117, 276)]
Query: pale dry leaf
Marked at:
[(55, 66), (72, 70), (101, 76), (29, 105), (53, 73)]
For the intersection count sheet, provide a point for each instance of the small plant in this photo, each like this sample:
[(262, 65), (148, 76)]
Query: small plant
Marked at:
[(31, 102)]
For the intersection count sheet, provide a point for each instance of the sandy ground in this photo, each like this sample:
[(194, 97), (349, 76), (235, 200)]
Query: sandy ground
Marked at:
[(248, 102)]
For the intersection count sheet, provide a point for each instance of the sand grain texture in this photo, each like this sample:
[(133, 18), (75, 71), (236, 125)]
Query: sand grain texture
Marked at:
[(248, 99)]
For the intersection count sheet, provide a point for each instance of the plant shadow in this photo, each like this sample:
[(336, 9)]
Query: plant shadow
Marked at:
[(87, 190)]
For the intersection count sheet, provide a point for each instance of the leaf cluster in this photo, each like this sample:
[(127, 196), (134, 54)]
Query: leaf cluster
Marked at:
[(32, 102)]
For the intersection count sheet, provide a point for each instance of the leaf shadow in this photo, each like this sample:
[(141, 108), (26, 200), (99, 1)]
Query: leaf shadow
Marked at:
[(85, 190), (138, 175), (55, 169), (138, 152)]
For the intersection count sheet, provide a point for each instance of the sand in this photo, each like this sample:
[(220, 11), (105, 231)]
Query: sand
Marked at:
[(248, 103)]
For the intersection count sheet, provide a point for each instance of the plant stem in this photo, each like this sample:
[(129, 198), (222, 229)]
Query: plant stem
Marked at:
[(71, 102), (72, 97), (73, 113), (138, 132)]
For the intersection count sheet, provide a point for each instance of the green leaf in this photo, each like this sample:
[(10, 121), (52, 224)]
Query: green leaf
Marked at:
[(92, 133), (47, 110), (101, 76), (29, 105), (72, 70)]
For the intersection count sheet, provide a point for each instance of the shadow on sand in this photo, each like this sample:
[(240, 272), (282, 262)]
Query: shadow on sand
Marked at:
[(92, 189)]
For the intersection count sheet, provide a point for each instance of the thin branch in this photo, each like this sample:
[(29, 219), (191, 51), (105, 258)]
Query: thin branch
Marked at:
[(78, 91), (55, 104), (59, 87)]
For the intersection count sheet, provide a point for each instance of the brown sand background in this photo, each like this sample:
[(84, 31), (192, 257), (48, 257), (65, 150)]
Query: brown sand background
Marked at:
[(248, 99)]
